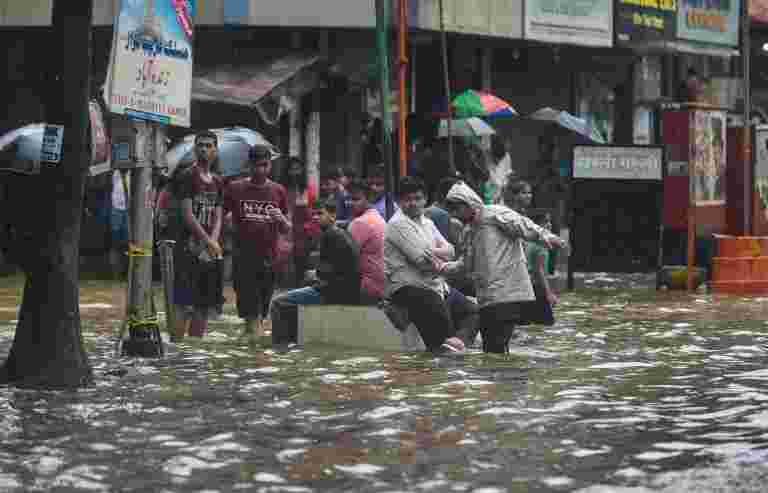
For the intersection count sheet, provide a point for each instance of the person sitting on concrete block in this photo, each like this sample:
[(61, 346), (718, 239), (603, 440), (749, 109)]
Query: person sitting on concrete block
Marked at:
[(338, 276), (414, 254)]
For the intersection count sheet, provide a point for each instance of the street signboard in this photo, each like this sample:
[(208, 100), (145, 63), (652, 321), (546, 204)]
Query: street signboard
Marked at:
[(712, 22), (577, 22), (640, 23), (150, 72), (617, 162), (53, 140)]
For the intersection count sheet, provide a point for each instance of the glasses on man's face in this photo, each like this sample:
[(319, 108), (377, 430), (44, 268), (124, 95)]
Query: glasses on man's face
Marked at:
[(206, 145)]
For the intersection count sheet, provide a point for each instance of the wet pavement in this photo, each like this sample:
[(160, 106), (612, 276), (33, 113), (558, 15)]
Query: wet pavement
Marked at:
[(632, 390)]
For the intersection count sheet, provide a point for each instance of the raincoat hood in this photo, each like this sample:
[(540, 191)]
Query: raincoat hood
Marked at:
[(461, 192)]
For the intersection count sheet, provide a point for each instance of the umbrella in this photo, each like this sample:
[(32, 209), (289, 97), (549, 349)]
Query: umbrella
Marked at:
[(234, 144), (569, 122), (466, 127), (25, 142), (478, 103)]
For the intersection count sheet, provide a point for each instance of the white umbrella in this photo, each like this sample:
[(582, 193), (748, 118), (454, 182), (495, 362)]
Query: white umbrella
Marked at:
[(466, 127), (233, 145), (567, 121)]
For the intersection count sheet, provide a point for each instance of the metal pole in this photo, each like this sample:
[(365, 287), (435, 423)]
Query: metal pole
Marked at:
[(382, 44), (447, 86), (746, 55), (402, 75)]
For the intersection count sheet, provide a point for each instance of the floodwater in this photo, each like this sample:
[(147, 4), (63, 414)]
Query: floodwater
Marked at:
[(631, 391)]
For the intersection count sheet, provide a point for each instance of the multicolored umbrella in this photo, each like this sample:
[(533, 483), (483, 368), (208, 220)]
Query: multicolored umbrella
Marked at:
[(478, 103)]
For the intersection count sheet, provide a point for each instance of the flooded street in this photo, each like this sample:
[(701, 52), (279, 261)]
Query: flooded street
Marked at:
[(631, 391)]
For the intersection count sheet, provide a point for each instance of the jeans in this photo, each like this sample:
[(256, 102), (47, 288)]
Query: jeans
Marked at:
[(285, 313)]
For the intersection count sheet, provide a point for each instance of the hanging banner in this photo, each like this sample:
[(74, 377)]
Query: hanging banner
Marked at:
[(577, 22), (713, 22), (150, 72), (707, 152), (642, 22)]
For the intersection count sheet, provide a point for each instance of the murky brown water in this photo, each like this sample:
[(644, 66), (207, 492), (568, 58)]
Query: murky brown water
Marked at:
[(631, 389)]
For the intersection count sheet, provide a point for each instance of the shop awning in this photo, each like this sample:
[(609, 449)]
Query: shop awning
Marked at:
[(247, 85)]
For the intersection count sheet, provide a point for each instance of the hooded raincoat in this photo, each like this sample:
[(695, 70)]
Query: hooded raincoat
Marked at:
[(496, 258)]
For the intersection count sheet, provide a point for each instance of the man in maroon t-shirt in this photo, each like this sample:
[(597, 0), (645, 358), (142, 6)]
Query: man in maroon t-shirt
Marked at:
[(258, 206)]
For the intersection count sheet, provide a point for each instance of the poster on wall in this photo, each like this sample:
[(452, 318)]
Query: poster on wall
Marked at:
[(712, 22), (578, 22), (708, 157), (150, 72), (761, 164), (758, 11), (645, 23)]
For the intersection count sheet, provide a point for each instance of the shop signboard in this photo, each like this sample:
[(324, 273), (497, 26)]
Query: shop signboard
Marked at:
[(150, 72), (617, 162), (639, 22), (578, 22), (707, 156), (712, 22)]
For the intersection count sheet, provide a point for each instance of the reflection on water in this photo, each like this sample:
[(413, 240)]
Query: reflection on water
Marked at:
[(631, 389)]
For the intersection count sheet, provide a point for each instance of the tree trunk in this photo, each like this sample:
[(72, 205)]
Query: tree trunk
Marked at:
[(47, 348)]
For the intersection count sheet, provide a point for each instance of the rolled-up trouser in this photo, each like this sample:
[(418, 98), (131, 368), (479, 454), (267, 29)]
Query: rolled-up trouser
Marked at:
[(428, 312), (285, 313), (497, 325)]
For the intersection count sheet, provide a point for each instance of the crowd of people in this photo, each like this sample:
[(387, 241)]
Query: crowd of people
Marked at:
[(465, 264)]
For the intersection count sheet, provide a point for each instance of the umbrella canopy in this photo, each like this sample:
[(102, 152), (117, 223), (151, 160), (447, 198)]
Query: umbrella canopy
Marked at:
[(466, 127), (566, 120), (478, 103), (234, 144), (26, 142)]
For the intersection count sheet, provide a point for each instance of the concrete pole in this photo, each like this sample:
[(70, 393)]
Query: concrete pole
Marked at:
[(312, 148), (140, 272)]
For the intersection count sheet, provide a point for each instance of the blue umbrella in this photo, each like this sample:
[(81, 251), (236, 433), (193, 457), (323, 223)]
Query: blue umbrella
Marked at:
[(566, 120), (25, 142), (234, 143)]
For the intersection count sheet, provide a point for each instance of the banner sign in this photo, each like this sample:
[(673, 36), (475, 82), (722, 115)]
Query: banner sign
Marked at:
[(708, 157), (712, 22), (618, 163), (761, 164), (758, 11), (640, 21), (578, 22), (150, 72)]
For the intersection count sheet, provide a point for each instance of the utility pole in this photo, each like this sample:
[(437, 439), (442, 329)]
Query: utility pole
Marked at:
[(382, 44), (749, 177), (143, 330)]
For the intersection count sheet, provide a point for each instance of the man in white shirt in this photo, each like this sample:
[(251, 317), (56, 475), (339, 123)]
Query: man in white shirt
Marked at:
[(414, 254)]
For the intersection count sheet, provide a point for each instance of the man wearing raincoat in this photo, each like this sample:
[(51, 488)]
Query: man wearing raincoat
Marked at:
[(496, 261)]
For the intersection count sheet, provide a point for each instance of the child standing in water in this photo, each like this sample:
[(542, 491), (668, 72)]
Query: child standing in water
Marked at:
[(539, 311)]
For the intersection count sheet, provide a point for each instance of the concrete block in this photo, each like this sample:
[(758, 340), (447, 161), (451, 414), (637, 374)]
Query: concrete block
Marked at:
[(354, 326)]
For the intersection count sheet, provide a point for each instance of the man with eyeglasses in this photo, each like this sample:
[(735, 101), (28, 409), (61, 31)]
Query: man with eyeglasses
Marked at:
[(259, 207), (197, 281)]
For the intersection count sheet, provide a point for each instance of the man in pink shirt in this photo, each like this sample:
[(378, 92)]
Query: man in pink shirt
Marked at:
[(367, 229)]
